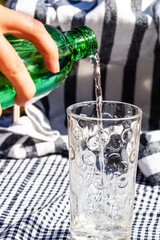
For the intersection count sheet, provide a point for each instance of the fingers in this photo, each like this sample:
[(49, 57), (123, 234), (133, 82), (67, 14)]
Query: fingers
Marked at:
[(12, 66), (31, 29), (0, 111)]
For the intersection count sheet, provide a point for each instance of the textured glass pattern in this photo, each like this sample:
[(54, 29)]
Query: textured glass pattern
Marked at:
[(102, 170)]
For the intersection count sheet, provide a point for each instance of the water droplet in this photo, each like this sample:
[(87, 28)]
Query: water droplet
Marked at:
[(88, 157)]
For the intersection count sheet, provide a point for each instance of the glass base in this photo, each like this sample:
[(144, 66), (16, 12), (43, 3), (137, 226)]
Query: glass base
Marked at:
[(98, 234)]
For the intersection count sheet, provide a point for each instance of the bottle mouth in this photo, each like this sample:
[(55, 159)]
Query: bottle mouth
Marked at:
[(91, 45), (84, 40), (89, 35)]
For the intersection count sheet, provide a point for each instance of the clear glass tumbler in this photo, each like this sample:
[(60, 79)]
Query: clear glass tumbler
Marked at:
[(103, 157)]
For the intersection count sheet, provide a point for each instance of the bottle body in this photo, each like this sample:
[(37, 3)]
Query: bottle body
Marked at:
[(70, 49)]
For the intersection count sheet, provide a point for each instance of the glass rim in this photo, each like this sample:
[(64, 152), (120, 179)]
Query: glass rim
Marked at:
[(85, 103)]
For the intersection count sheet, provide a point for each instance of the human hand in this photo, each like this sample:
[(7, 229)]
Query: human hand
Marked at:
[(11, 65)]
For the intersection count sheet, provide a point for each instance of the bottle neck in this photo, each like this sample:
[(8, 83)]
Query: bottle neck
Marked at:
[(82, 42)]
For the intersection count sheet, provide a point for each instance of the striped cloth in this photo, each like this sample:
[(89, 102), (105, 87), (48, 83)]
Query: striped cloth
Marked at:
[(127, 34), (31, 136)]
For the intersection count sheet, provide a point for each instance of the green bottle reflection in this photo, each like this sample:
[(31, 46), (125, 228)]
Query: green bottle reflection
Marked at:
[(72, 45)]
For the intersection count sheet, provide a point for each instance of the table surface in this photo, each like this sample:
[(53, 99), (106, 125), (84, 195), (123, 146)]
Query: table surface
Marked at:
[(34, 201)]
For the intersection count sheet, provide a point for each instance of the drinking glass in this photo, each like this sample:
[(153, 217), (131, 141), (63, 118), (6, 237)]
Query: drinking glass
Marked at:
[(103, 157)]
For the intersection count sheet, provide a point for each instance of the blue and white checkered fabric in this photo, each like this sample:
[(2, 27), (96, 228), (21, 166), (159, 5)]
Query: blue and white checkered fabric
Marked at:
[(146, 224), (34, 202)]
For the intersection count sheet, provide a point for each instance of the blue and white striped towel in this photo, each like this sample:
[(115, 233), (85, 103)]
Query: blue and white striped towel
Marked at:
[(128, 40)]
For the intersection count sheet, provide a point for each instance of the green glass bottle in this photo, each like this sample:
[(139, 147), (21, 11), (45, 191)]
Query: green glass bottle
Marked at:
[(72, 45)]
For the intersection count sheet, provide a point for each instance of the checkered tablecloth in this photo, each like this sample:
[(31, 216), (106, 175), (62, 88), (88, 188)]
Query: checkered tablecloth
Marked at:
[(34, 201)]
